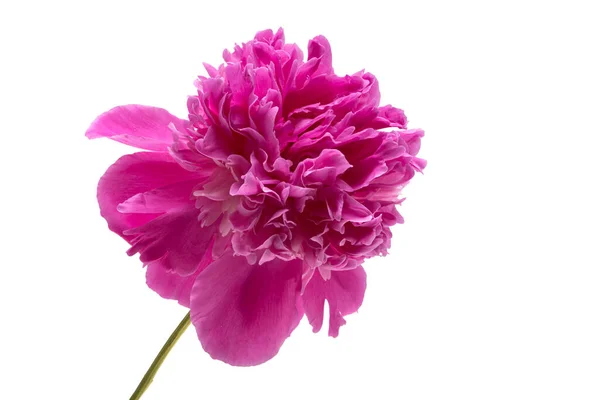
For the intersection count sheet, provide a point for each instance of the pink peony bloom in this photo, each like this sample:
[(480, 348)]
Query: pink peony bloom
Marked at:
[(265, 202)]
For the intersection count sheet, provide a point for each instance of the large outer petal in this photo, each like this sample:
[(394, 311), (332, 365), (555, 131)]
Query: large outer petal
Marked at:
[(344, 292), (243, 313), (142, 188), (131, 175), (140, 126)]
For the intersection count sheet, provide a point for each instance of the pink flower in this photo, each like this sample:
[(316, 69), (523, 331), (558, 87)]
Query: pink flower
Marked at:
[(265, 202)]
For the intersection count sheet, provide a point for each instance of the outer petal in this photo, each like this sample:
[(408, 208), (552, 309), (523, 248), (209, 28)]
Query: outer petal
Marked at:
[(131, 175), (243, 313), (160, 200), (136, 125), (171, 285), (344, 292), (168, 284), (176, 240)]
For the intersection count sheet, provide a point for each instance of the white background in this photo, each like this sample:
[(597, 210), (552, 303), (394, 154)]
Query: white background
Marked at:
[(492, 287)]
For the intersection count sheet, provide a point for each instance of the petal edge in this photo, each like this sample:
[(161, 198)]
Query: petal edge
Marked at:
[(137, 125)]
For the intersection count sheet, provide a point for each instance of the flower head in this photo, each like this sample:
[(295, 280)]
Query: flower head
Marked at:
[(265, 202)]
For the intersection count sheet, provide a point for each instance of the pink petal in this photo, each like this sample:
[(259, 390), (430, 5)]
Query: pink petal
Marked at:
[(171, 285), (131, 175), (243, 313), (176, 240), (389, 116), (140, 126), (161, 200), (319, 48), (365, 172), (326, 168), (344, 292), (168, 284)]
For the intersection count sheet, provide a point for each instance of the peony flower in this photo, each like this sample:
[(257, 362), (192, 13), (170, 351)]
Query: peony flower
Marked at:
[(265, 202)]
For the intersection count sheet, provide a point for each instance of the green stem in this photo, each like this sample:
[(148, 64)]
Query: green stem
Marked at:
[(160, 357)]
